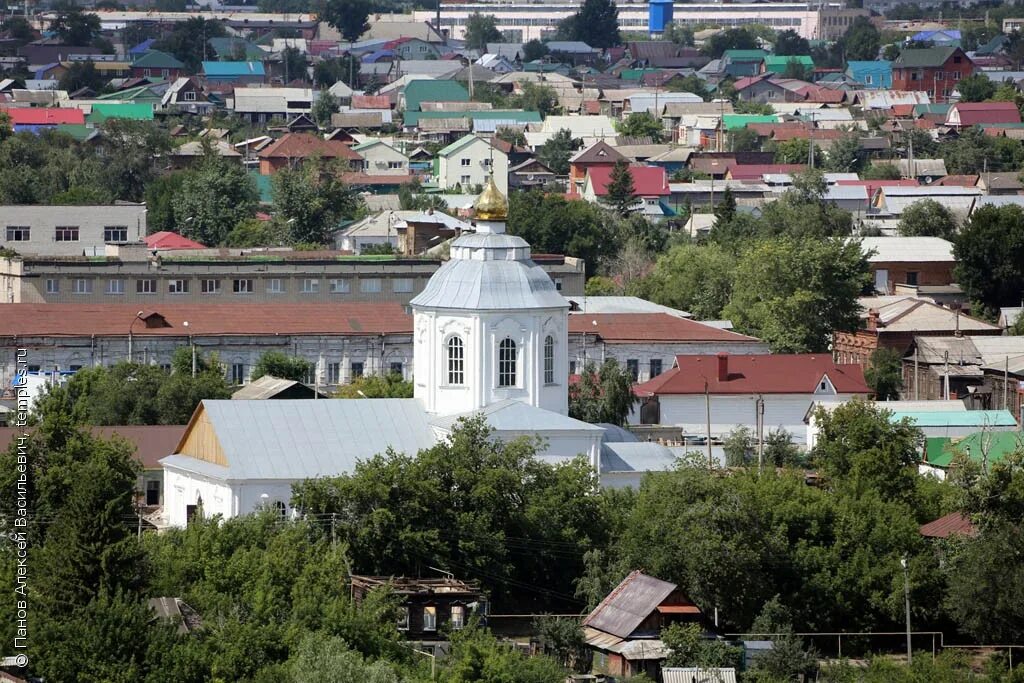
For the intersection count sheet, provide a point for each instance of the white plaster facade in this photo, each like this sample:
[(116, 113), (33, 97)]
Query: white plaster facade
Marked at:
[(467, 163), (379, 158)]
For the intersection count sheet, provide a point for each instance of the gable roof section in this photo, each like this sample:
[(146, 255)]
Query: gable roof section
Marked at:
[(953, 524), (629, 603), (151, 442), (925, 57), (165, 239), (650, 327), (648, 181), (756, 374), (233, 69), (420, 91), (320, 438), (302, 145), (155, 59), (599, 152), (974, 113)]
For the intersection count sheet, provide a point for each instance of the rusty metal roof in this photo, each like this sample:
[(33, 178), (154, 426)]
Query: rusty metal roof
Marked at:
[(625, 608)]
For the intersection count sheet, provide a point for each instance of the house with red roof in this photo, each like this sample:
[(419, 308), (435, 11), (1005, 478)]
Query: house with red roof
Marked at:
[(293, 149), (966, 114), (34, 119), (757, 171), (167, 240), (731, 385), (650, 187)]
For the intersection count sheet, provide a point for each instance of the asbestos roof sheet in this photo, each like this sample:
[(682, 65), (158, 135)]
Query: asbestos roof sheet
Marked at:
[(636, 457), (512, 415), (305, 439), (907, 249)]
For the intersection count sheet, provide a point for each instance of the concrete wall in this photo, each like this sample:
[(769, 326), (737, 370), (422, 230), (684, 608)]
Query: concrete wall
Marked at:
[(91, 221), (583, 351)]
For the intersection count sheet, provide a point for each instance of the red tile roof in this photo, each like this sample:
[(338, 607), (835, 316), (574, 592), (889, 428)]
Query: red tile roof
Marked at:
[(648, 181), (151, 442), (371, 102), (974, 113), (38, 116), (756, 374), (649, 327), (953, 524), (303, 145), (166, 239), (755, 171), (113, 320)]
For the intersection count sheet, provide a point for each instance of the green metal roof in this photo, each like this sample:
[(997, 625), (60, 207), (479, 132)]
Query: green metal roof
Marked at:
[(420, 91), (412, 118), (778, 65), (456, 146), (137, 111), (154, 59), (937, 109), (734, 121), (744, 55), (940, 451), (923, 57), (79, 132), (958, 418), (636, 74), (263, 186)]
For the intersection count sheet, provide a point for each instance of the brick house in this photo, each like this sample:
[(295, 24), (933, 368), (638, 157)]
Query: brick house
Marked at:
[(293, 149), (915, 261), (933, 70), (598, 155)]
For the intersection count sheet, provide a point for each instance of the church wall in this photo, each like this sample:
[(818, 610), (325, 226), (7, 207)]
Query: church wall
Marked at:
[(185, 488)]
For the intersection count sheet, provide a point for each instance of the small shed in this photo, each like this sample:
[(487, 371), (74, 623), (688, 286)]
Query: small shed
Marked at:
[(268, 387)]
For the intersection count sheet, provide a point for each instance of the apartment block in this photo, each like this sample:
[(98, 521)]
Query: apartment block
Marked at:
[(70, 230)]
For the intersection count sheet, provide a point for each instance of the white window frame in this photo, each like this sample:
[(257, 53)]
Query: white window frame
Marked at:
[(275, 285), (116, 286), (429, 617), (52, 286), (508, 366), (311, 285), (177, 286), (243, 285), (339, 286), (455, 360), (19, 233), (402, 285), (210, 286), (145, 286), (81, 286), (108, 235), (370, 285), (549, 359), (66, 233)]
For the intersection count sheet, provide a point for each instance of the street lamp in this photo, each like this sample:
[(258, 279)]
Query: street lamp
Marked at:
[(192, 344), (906, 599), (138, 316)]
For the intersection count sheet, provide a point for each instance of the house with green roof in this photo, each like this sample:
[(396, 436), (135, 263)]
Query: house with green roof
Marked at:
[(980, 447), (419, 91), (739, 63), (136, 111), (237, 48), (736, 121), (778, 65), (156, 63), (151, 93), (469, 161)]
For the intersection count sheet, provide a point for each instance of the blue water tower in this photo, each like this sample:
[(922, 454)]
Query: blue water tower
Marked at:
[(659, 15)]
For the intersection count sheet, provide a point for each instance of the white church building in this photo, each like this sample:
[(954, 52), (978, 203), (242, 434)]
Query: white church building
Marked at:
[(490, 338)]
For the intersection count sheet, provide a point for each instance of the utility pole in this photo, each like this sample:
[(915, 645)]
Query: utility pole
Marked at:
[(906, 599), (759, 408), (945, 361), (707, 407)]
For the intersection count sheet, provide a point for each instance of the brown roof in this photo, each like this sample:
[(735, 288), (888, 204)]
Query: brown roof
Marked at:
[(151, 442), (755, 374), (651, 327), (371, 102), (303, 145), (357, 119), (953, 524), (957, 180), (629, 603), (113, 320), (598, 153)]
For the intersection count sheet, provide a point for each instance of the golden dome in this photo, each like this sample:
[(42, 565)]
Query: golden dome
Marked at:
[(491, 205)]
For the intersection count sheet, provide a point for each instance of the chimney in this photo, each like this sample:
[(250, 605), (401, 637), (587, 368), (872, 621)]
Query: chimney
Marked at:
[(723, 367), (872, 319)]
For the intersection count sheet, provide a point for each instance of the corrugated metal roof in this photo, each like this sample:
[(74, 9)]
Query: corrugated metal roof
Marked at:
[(966, 418), (303, 439), (642, 456), (907, 249), (697, 675), (263, 388), (625, 608), (952, 524)]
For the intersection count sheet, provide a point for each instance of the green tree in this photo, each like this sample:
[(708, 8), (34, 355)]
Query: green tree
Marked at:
[(538, 98), (745, 140), (599, 285), (642, 124), (862, 40), (790, 43), (990, 256), (256, 232), (563, 640), (312, 200), (555, 153), (391, 385), (725, 210), (280, 365), (780, 451), (189, 41), (844, 156), (349, 17), (881, 171), (193, 379), (729, 39), (82, 75), (327, 72), (884, 374), (534, 50), (73, 26), (621, 192), (688, 646), (596, 24), (792, 151), (513, 136), (602, 394), (693, 278), (326, 106), (213, 199), (795, 293), (680, 34), (129, 151), (159, 197), (293, 64), (796, 69), (927, 218), (554, 225), (976, 88), (480, 30), (739, 447), (478, 656), (321, 658)]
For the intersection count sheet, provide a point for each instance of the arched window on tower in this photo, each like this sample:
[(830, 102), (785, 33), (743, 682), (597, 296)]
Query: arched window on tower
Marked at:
[(549, 360), (507, 363), (456, 361)]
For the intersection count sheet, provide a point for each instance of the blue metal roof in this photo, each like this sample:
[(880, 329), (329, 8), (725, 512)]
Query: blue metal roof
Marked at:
[(236, 69)]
